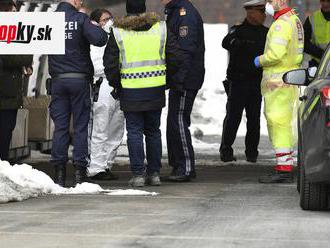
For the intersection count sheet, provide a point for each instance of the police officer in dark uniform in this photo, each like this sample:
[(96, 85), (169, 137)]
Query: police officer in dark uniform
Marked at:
[(71, 76), (244, 42), (186, 23)]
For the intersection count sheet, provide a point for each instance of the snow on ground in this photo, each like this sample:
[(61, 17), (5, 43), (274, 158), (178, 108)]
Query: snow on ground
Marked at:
[(20, 182)]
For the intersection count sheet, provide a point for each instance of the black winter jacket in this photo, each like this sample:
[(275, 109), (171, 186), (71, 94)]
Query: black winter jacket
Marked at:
[(186, 23), (11, 80), (148, 98), (245, 42)]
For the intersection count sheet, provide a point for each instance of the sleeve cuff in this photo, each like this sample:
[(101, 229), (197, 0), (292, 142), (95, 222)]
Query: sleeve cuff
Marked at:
[(257, 62)]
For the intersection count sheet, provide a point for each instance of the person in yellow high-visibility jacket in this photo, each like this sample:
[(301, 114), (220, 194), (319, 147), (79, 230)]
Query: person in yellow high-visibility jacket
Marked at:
[(283, 52), (317, 33)]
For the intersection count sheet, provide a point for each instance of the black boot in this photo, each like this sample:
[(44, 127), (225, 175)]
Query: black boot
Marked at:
[(104, 175), (81, 175), (60, 175), (193, 174), (277, 177), (227, 157)]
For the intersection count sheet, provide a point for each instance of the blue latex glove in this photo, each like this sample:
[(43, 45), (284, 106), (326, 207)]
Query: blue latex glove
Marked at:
[(256, 62)]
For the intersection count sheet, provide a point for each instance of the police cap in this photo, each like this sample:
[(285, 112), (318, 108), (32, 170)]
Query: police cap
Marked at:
[(253, 3)]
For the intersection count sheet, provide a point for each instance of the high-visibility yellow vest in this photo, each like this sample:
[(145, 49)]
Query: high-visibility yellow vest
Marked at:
[(320, 31), (142, 56), (283, 50)]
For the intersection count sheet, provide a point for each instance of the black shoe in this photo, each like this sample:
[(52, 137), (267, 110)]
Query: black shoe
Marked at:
[(178, 178), (225, 158), (193, 174), (173, 172), (104, 176), (81, 175), (251, 159), (111, 176), (60, 175), (277, 177)]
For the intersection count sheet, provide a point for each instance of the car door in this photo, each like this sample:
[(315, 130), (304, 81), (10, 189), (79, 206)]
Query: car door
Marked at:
[(315, 123)]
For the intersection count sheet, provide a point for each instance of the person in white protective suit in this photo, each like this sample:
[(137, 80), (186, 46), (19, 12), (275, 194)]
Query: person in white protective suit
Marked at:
[(108, 120)]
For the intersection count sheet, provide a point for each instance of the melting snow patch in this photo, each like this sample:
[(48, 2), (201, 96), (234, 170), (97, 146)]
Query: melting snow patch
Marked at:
[(20, 182), (128, 192)]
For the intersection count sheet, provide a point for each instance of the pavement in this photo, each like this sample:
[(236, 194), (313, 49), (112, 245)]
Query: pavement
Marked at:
[(224, 207)]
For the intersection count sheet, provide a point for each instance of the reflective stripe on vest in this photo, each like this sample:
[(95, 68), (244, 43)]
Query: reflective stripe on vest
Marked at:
[(142, 56), (127, 65), (143, 74), (320, 30)]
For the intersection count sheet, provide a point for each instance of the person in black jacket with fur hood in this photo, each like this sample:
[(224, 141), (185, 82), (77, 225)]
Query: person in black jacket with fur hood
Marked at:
[(139, 55), (12, 68)]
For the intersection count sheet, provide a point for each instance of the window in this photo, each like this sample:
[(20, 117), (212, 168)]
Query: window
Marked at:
[(324, 68)]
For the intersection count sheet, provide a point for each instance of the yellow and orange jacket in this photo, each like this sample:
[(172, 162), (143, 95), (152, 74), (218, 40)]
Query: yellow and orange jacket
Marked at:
[(283, 50)]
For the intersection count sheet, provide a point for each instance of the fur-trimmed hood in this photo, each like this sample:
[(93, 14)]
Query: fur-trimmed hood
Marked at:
[(137, 22)]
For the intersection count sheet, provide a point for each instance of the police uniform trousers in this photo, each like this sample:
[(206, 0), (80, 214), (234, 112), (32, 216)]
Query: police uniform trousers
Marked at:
[(70, 96), (147, 123), (240, 98), (180, 150), (7, 125)]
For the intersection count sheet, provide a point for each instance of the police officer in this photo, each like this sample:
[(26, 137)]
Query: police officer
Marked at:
[(139, 52), (283, 52), (11, 96), (186, 23), (317, 35), (71, 76), (244, 42)]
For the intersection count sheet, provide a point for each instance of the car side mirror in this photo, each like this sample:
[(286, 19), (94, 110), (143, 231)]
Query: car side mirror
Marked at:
[(296, 77)]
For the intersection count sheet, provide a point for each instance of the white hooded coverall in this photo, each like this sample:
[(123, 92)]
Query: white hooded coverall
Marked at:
[(108, 121)]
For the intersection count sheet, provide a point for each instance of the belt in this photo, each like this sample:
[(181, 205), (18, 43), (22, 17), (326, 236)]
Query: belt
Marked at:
[(72, 75)]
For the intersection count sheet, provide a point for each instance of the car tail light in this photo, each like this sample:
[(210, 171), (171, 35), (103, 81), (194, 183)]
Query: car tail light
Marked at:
[(325, 96)]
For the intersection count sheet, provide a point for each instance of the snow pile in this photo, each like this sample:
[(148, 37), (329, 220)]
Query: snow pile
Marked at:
[(20, 182), (210, 105)]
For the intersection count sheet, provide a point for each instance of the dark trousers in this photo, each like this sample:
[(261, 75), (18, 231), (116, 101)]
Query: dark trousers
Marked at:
[(70, 96), (180, 150), (7, 125), (240, 98), (147, 123)]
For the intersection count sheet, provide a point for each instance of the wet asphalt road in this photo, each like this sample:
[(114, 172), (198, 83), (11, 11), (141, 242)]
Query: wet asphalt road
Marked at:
[(223, 207)]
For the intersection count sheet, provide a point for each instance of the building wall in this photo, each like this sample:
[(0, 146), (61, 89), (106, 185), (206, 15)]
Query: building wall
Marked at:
[(212, 11)]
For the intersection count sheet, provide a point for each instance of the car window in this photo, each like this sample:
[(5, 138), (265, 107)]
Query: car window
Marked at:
[(324, 68)]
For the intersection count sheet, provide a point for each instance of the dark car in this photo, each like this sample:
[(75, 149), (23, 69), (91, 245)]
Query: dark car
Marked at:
[(313, 181)]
